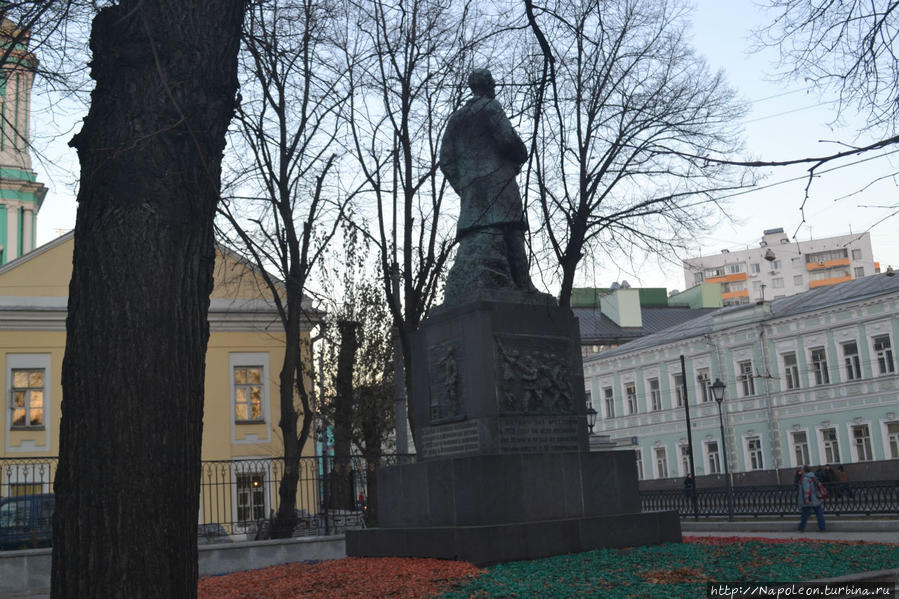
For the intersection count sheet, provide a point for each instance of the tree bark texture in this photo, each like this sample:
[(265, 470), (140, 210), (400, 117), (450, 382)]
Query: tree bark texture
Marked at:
[(127, 486), (341, 480), (291, 377)]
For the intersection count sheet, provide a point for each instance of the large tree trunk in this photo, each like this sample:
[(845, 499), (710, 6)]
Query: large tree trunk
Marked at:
[(127, 487), (291, 376), (342, 493), (371, 425)]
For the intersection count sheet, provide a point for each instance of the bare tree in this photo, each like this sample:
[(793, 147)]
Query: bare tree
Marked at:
[(128, 482), (624, 111), (288, 123), (415, 55), (352, 292), (849, 47)]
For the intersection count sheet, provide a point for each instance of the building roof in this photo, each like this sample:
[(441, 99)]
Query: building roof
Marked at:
[(816, 299), (597, 328)]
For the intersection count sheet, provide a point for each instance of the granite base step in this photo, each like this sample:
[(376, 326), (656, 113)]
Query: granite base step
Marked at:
[(489, 544)]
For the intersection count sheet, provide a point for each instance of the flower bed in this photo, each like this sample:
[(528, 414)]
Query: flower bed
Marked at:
[(669, 570)]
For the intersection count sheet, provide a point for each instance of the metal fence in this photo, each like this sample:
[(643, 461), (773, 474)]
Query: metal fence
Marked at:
[(867, 498), (238, 497)]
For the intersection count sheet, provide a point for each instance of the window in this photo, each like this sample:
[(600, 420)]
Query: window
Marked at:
[(754, 268), (800, 449), (754, 447), (797, 280), (831, 446), (588, 398), (661, 462), (893, 439), (247, 393), (856, 254), (679, 390), (829, 273), (859, 271), (630, 391), (27, 397), (791, 370), (250, 497), (851, 361), (775, 265), (713, 457), (796, 262), (747, 383), (698, 278), (827, 255), (684, 459), (819, 366), (639, 455), (655, 395), (883, 353), (734, 269), (705, 385), (861, 438), (777, 283), (609, 402)]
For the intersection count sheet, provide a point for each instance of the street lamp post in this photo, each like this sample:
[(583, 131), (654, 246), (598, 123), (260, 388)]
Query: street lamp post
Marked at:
[(718, 391), (591, 418)]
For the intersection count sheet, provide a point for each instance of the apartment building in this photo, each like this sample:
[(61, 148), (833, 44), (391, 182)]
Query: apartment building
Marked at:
[(780, 267)]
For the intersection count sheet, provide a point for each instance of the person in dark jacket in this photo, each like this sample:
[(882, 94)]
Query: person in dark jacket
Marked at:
[(809, 499), (689, 485)]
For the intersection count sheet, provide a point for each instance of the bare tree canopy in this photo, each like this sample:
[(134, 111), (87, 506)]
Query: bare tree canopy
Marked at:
[(412, 57), (291, 96), (849, 47), (628, 112)]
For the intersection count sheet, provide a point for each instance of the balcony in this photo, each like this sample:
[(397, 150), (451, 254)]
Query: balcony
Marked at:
[(826, 282), (827, 264), (740, 276), (733, 294)]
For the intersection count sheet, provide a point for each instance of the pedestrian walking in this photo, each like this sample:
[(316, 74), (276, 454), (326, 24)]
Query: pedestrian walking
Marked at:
[(811, 494), (689, 485)]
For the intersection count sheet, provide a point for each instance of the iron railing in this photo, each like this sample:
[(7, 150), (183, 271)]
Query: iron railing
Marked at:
[(866, 498), (238, 497)]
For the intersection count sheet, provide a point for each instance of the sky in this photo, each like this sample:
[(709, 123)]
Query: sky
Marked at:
[(786, 121)]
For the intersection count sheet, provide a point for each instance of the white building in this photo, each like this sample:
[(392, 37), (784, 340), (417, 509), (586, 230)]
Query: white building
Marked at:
[(811, 379), (780, 268)]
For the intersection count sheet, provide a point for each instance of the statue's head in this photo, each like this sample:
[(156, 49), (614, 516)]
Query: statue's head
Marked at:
[(481, 83)]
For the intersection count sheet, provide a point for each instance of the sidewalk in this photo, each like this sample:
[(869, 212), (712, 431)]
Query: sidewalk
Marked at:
[(838, 529)]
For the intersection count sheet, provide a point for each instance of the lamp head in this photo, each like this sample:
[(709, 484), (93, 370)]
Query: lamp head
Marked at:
[(718, 390), (591, 418)]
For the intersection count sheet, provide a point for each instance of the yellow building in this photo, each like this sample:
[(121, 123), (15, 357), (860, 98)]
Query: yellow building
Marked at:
[(241, 438)]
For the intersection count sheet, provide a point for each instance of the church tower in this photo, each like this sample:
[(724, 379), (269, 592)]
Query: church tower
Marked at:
[(20, 193)]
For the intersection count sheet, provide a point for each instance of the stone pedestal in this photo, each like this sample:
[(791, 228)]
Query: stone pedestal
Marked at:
[(492, 377), (504, 472)]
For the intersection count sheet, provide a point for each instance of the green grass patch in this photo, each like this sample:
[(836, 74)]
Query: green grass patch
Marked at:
[(676, 569)]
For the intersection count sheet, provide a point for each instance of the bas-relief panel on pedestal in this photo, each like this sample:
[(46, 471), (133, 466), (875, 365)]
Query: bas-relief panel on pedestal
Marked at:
[(445, 388), (533, 375)]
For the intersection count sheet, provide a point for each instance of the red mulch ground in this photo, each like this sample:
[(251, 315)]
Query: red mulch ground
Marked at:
[(393, 577), (397, 578)]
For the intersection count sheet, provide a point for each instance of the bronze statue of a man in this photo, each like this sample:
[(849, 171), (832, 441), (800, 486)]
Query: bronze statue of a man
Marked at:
[(480, 156)]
